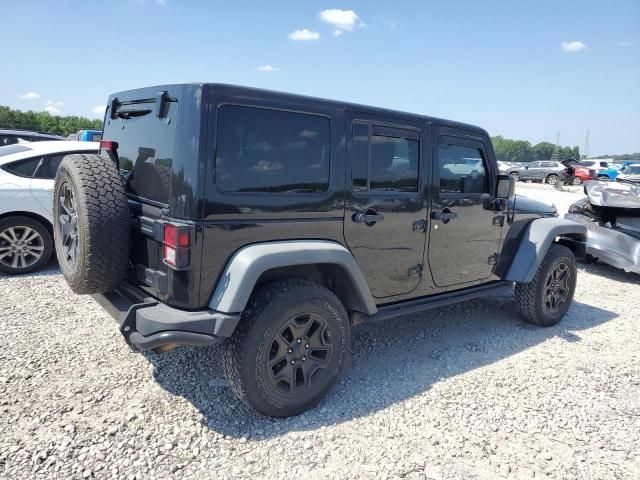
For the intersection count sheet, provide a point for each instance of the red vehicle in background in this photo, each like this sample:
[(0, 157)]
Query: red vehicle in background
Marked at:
[(578, 173)]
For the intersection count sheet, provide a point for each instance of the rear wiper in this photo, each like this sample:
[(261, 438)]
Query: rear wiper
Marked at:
[(127, 113)]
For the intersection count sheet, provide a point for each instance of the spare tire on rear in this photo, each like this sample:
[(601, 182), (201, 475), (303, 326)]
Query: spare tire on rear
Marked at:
[(91, 223)]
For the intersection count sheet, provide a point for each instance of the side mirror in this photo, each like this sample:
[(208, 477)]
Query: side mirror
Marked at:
[(506, 187)]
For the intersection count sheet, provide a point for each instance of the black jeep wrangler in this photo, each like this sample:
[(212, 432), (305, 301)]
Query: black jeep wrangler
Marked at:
[(273, 223)]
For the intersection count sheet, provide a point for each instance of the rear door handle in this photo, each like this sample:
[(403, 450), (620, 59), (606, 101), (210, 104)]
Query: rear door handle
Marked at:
[(445, 215), (367, 218)]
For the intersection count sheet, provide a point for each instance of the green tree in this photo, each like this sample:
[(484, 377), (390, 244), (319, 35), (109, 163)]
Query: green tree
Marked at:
[(45, 122)]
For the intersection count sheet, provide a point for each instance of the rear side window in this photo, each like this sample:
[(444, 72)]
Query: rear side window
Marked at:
[(462, 169), (263, 150), (23, 168), (49, 166), (384, 159)]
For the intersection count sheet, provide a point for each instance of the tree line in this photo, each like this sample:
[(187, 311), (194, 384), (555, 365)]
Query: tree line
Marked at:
[(508, 150), (622, 158), (45, 122)]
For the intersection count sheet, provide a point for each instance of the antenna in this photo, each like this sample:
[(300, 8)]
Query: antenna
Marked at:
[(586, 144), (556, 151)]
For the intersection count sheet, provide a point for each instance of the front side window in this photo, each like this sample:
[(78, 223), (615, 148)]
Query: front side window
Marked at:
[(384, 159), (263, 150), (462, 169)]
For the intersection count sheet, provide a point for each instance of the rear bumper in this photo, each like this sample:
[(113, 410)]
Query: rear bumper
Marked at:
[(148, 324)]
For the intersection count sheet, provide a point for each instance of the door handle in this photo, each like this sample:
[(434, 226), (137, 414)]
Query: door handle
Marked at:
[(368, 218), (445, 215)]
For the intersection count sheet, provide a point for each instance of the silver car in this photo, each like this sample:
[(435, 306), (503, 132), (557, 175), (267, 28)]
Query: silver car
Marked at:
[(545, 171)]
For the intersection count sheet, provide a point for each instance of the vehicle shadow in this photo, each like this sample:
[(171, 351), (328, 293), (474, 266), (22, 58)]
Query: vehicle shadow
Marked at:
[(390, 364)]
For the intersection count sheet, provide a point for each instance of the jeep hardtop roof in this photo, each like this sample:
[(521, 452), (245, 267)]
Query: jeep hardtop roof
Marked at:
[(259, 93)]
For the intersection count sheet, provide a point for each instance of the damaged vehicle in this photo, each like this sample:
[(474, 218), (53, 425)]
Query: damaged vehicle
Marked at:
[(611, 213), (630, 173)]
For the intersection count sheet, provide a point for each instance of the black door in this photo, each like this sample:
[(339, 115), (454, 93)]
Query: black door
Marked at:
[(465, 231), (385, 211)]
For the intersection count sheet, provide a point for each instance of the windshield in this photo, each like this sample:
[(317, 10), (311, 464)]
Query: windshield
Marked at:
[(631, 170)]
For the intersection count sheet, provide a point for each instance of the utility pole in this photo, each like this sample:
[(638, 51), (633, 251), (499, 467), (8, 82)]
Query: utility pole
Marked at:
[(556, 151), (586, 144)]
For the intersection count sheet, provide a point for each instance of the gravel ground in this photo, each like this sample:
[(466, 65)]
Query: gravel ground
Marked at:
[(463, 391)]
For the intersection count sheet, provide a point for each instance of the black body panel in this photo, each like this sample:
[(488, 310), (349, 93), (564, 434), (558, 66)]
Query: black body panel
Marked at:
[(390, 251)]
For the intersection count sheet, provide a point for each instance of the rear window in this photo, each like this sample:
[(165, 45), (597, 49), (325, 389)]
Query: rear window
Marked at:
[(145, 148), (23, 168), (9, 149), (262, 150)]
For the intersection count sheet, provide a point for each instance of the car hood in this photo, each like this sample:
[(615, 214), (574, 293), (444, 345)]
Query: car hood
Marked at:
[(628, 178), (523, 204)]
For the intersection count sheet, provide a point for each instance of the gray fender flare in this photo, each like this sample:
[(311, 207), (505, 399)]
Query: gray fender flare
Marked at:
[(246, 265), (535, 242)]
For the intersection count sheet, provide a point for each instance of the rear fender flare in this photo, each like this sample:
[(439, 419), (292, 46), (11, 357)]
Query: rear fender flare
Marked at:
[(535, 242), (245, 267)]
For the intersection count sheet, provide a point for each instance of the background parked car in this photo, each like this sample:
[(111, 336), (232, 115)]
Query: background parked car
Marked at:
[(614, 169), (26, 198), (89, 135), (630, 173), (578, 174), (10, 137), (545, 171), (597, 164)]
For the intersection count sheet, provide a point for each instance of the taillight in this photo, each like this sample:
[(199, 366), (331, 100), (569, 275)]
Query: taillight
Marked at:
[(177, 241), (108, 145)]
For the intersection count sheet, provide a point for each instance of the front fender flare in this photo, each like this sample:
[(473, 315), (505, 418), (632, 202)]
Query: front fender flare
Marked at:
[(534, 243), (247, 265)]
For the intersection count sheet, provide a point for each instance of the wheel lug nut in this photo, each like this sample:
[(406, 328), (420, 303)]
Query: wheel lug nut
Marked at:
[(306, 345), (299, 341), (304, 359), (290, 351), (293, 362)]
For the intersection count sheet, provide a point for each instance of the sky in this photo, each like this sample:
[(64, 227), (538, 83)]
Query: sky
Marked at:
[(521, 69)]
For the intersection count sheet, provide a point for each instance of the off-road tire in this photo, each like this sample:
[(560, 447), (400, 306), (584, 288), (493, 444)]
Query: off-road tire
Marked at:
[(47, 243), (102, 223), (246, 353), (529, 297)]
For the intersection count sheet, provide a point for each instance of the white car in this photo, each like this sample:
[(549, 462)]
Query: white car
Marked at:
[(27, 172), (629, 173)]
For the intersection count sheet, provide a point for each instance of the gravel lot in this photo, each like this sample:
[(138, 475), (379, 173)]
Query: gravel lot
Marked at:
[(463, 391)]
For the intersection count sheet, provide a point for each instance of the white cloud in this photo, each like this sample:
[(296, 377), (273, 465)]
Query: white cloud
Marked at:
[(574, 46), (55, 104), (342, 20), (304, 34), (52, 110), (267, 68), (625, 44), (99, 109), (30, 96)]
